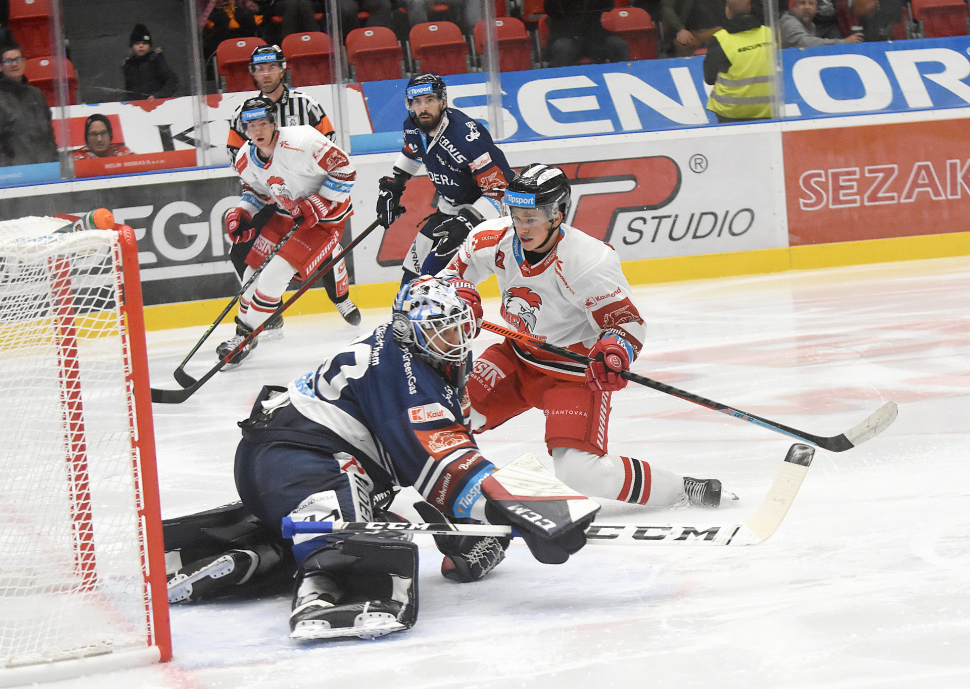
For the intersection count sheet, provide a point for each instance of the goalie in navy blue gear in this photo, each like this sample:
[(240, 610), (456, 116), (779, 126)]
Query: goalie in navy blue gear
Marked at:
[(389, 410), (468, 171)]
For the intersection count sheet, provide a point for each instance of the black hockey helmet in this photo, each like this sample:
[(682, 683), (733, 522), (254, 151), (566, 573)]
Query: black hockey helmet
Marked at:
[(257, 108), (423, 85), (265, 54), (539, 186)]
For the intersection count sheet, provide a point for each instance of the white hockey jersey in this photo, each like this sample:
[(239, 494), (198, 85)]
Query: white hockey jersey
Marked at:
[(575, 295), (305, 162)]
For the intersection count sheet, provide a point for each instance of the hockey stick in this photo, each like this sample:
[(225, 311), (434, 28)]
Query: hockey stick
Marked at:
[(179, 396), (754, 530), (875, 424), (183, 378)]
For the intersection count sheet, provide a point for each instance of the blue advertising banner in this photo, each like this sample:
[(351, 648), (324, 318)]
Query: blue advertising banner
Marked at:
[(665, 94)]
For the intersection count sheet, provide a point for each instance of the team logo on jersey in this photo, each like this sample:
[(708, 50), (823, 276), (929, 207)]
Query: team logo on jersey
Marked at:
[(292, 120), (286, 144), (278, 187), (520, 308), (616, 314), (429, 412), (474, 133), (440, 442)]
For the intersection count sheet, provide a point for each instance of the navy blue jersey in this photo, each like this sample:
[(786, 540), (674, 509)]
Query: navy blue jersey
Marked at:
[(463, 163), (399, 417)]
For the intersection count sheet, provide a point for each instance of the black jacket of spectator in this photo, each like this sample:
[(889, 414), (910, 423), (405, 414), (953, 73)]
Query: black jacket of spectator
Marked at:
[(26, 136), (577, 18), (149, 75)]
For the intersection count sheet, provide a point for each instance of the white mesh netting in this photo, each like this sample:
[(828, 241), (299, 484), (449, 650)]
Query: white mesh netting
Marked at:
[(72, 578)]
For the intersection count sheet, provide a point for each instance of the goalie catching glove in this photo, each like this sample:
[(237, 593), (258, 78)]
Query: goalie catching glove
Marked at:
[(551, 518), (467, 558)]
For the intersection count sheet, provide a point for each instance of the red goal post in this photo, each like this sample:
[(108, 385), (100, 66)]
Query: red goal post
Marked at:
[(82, 572)]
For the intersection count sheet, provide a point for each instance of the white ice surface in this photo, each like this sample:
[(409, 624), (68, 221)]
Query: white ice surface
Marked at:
[(865, 584)]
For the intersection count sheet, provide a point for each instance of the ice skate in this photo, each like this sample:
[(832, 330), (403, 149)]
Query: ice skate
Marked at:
[(202, 578), (703, 493), (319, 619), (273, 330), (229, 346), (348, 310)]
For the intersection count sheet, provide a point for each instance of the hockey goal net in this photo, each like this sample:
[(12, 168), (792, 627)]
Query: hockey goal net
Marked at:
[(82, 576)]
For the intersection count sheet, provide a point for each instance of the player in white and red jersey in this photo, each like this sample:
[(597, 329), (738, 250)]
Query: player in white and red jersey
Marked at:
[(307, 176), (561, 284)]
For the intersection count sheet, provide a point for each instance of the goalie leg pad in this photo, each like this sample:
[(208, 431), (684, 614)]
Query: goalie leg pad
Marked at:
[(362, 585), (551, 517), (213, 575)]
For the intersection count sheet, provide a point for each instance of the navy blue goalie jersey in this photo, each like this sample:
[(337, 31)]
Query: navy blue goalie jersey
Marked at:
[(404, 421)]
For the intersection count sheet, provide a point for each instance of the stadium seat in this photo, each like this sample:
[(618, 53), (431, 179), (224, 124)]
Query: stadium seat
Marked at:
[(634, 26), (232, 62), (439, 47), (32, 25), (532, 10), (514, 44), (374, 53), (308, 57), (40, 72), (937, 18)]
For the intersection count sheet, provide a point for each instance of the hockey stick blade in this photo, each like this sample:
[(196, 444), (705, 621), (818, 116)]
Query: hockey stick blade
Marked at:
[(877, 422), (753, 531), (178, 396)]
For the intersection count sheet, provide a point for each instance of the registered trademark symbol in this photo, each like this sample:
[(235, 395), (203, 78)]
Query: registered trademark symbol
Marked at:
[(698, 163)]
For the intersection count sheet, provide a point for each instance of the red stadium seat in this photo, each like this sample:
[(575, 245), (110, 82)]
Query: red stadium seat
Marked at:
[(41, 72), (308, 57), (232, 62), (937, 18), (532, 10), (440, 47), (374, 53), (634, 26), (32, 25), (514, 44)]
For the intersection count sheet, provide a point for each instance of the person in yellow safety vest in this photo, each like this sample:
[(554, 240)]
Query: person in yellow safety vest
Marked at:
[(738, 64)]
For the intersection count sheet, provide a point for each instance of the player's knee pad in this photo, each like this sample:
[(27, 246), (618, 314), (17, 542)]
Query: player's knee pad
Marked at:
[(587, 473), (362, 585)]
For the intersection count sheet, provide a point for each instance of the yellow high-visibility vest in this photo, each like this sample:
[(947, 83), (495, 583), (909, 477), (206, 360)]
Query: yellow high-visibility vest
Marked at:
[(743, 91)]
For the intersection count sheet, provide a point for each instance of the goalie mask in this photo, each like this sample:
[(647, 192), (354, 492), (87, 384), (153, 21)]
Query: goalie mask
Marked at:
[(431, 320)]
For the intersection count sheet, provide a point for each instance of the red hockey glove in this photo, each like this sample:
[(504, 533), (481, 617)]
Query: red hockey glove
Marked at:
[(466, 290), (238, 224), (611, 356), (314, 209)]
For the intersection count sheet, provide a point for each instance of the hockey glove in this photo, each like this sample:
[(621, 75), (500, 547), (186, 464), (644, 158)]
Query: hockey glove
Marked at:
[(470, 296), (238, 224), (611, 356), (389, 206), (449, 235), (467, 558), (314, 209)]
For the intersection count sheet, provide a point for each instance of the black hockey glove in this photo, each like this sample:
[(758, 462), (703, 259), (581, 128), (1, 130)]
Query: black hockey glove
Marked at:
[(389, 206), (467, 558), (449, 235)]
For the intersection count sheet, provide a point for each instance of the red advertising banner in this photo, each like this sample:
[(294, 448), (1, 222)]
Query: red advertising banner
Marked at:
[(120, 165), (876, 182)]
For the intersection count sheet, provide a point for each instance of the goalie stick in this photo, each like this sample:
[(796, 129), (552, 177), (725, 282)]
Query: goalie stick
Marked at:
[(183, 378), (875, 424), (753, 531), (162, 396)]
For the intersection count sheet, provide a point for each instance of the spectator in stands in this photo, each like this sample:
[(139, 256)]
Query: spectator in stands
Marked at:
[(738, 64), (98, 137), (26, 135), (689, 24), (470, 10), (225, 19), (147, 74), (575, 33), (798, 30), (877, 17)]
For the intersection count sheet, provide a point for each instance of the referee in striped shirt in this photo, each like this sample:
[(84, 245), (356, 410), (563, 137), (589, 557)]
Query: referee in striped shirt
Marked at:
[(268, 67)]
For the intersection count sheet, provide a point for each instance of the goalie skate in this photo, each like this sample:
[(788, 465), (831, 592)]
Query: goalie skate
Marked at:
[(368, 620), (200, 579)]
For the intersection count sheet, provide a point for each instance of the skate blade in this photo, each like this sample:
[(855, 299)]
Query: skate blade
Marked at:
[(271, 335), (180, 587), (366, 626)]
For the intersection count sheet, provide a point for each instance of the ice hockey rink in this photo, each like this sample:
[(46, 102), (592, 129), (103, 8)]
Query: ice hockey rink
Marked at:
[(865, 584)]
